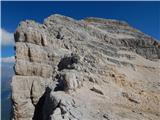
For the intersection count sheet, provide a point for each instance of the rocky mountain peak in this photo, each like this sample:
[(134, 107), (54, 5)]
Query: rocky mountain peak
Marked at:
[(90, 69)]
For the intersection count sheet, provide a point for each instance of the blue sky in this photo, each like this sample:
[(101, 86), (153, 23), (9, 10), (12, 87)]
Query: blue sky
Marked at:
[(144, 16)]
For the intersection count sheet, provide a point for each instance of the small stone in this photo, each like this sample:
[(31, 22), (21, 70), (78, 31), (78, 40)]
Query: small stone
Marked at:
[(97, 89), (91, 79), (106, 116)]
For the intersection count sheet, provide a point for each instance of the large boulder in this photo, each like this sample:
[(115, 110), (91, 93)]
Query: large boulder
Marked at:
[(70, 80)]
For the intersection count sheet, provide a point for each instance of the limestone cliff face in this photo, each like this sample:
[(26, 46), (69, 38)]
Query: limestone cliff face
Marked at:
[(92, 69)]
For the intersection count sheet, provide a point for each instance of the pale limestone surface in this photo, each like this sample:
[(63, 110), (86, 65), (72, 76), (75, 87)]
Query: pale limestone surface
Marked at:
[(92, 69)]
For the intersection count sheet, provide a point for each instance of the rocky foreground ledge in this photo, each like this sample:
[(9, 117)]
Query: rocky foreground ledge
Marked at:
[(92, 69)]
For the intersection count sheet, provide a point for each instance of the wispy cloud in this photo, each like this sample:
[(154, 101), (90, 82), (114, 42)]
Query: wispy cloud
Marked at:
[(8, 59), (6, 37)]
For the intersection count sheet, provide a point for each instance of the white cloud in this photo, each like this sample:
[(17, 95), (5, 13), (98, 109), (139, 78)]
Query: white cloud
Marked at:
[(8, 59), (7, 38)]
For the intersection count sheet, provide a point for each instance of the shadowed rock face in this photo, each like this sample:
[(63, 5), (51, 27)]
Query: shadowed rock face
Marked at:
[(91, 69)]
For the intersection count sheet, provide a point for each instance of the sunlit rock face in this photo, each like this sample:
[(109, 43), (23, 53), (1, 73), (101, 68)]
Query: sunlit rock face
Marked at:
[(92, 69)]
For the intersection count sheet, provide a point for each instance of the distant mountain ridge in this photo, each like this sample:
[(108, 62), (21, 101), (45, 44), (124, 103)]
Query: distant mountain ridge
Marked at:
[(6, 77)]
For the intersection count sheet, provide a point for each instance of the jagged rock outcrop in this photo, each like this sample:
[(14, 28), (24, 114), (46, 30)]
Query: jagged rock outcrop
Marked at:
[(92, 69)]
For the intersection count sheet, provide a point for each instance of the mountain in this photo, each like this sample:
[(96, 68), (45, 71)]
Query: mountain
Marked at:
[(6, 76), (90, 69)]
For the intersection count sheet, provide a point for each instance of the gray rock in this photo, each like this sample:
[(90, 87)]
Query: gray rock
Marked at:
[(57, 106), (26, 68), (26, 92), (56, 60), (97, 89), (70, 79), (56, 114)]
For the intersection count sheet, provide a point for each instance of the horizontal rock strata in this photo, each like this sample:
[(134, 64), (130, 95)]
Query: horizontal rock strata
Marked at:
[(90, 69)]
